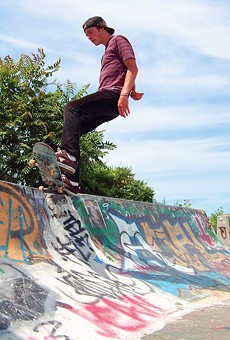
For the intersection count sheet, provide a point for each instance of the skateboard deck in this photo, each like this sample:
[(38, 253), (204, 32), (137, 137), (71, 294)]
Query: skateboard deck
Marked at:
[(44, 158)]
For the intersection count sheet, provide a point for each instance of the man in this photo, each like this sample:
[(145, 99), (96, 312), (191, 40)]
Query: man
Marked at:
[(116, 84)]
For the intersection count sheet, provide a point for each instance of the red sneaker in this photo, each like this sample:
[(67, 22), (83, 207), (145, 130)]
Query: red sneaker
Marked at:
[(65, 162), (72, 188)]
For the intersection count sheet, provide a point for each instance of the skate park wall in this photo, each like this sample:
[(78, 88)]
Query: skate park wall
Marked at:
[(223, 229), (94, 267)]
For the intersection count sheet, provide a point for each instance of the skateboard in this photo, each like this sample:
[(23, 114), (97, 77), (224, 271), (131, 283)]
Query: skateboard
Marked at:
[(49, 168)]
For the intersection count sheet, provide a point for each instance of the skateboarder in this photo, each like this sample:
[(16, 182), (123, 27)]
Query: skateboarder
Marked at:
[(116, 85)]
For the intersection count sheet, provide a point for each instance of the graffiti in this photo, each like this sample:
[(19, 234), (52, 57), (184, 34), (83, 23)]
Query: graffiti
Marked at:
[(157, 244), (74, 238), (48, 330), (19, 235), (94, 213), (75, 241), (94, 287), (111, 316), (117, 266), (203, 232), (57, 205), (223, 232), (21, 298), (79, 237)]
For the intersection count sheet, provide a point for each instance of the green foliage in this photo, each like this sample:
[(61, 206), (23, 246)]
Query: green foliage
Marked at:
[(100, 179), (214, 216), (116, 182), (24, 108), (186, 203), (31, 112)]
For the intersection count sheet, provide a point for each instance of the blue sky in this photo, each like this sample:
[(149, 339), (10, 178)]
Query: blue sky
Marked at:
[(177, 137)]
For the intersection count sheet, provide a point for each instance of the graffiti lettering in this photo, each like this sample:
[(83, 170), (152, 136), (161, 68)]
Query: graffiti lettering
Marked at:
[(95, 287), (19, 228), (79, 238), (49, 330)]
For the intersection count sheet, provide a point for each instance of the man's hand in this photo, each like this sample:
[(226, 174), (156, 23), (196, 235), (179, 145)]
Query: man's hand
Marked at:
[(136, 95), (123, 106)]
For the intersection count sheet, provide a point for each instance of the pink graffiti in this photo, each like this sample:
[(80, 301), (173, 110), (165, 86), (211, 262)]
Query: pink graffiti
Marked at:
[(110, 315), (203, 235)]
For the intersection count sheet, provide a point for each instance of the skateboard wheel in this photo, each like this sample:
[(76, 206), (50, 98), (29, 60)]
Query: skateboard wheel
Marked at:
[(60, 190), (41, 188), (32, 163), (51, 171)]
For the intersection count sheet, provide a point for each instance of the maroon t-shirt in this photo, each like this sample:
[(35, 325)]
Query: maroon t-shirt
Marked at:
[(113, 69)]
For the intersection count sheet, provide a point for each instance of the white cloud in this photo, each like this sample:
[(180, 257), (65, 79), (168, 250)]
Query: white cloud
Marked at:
[(18, 42), (182, 155), (180, 169), (201, 26), (152, 118)]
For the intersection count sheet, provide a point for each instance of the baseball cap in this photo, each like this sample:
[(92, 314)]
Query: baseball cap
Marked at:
[(97, 22)]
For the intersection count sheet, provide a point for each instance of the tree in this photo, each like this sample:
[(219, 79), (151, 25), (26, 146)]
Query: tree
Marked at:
[(116, 182), (31, 112), (28, 113), (214, 216)]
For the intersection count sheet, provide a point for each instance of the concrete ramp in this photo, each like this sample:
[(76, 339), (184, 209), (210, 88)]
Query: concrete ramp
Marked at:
[(102, 268)]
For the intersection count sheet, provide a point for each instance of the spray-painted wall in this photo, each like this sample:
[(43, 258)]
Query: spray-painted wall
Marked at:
[(223, 229), (156, 243), (23, 217), (101, 268)]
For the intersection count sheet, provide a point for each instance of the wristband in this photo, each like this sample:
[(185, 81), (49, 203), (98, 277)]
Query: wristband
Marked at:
[(124, 94)]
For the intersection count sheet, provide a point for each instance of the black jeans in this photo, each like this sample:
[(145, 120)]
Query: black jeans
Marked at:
[(84, 115)]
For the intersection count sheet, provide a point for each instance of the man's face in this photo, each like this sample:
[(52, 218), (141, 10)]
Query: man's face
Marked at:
[(95, 35)]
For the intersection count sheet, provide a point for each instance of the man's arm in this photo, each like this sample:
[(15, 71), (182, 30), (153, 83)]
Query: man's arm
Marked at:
[(131, 75), (128, 88)]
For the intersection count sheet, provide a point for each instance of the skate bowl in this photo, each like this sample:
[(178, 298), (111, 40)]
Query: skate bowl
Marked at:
[(94, 267)]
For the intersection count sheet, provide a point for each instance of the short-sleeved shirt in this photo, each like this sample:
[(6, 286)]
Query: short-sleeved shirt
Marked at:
[(113, 69)]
